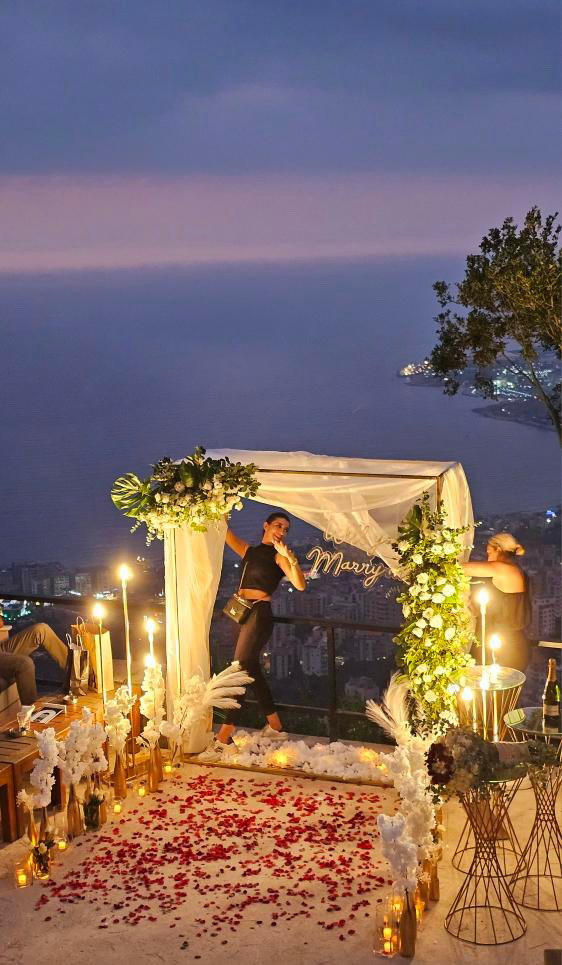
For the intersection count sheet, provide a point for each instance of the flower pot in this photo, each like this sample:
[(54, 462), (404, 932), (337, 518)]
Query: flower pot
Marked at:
[(119, 778), (73, 815), (408, 928)]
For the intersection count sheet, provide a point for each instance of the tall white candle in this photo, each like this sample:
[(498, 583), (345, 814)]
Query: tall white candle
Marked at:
[(125, 575)]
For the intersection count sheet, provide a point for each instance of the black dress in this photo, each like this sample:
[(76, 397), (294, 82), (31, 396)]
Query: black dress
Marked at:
[(507, 614)]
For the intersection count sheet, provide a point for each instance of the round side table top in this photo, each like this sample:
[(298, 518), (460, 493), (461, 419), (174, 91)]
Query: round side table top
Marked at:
[(529, 720), (507, 678)]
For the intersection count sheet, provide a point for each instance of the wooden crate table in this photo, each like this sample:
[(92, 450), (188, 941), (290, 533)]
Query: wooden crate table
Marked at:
[(20, 753), (8, 804)]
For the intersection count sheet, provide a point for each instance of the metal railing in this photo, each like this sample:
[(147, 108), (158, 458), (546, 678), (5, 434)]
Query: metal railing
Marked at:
[(332, 711)]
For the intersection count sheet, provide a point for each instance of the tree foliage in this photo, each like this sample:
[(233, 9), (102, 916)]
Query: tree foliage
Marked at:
[(506, 309)]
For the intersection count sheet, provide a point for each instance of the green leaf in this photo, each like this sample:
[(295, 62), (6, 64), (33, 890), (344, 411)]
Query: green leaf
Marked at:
[(128, 494)]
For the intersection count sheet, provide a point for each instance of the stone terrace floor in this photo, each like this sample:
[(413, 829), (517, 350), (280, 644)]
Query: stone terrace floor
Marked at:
[(229, 866)]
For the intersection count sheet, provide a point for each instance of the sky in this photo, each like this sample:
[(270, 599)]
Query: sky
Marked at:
[(139, 133), (220, 225)]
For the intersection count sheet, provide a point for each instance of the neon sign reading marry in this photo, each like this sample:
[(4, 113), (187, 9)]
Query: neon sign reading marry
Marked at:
[(334, 562)]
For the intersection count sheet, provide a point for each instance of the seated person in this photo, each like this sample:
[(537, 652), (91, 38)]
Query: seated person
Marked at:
[(15, 660)]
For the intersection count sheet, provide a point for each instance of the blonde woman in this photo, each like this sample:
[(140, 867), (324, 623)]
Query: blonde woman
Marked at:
[(509, 608)]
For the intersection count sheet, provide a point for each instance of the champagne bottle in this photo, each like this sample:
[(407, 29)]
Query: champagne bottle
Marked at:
[(551, 699)]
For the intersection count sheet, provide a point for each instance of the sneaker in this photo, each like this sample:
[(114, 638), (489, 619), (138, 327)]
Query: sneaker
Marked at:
[(272, 734), (216, 751)]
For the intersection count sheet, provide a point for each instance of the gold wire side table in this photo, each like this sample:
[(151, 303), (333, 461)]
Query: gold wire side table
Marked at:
[(485, 714), (537, 878), (484, 911)]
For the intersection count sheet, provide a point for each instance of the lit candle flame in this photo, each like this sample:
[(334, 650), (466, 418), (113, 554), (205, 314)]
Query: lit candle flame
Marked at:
[(467, 694), (98, 611), (483, 598)]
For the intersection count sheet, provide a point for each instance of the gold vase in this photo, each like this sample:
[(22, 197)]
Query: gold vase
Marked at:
[(408, 928), (103, 805), (119, 778), (158, 759), (73, 816), (153, 781), (434, 893)]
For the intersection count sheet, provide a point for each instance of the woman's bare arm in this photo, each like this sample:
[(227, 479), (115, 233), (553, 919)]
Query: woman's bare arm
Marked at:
[(235, 543)]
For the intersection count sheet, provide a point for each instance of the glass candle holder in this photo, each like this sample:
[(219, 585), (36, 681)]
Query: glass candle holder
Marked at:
[(117, 807), (23, 874), (386, 943), (168, 769), (142, 789)]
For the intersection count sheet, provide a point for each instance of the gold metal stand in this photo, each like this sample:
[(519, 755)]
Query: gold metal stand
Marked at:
[(484, 912), (537, 879)]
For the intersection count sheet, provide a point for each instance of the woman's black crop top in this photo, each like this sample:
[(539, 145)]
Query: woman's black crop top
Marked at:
[(262, 572)]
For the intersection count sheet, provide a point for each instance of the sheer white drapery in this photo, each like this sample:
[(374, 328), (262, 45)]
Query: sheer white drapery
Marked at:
[(358, 501)]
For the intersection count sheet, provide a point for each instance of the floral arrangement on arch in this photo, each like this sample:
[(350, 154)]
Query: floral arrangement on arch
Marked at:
[(196, 490), (435, 640)]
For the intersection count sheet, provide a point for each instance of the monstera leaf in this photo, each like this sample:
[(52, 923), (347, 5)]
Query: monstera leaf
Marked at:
[(129, 494)]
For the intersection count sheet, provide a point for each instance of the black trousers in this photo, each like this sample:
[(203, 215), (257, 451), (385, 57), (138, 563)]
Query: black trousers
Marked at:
[(253, 636)]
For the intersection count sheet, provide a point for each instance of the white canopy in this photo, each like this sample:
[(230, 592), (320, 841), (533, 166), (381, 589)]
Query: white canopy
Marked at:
[(358, 501)]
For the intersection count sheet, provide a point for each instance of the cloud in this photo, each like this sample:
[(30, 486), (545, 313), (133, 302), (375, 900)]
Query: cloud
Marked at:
[(78, 223), (257, 84)]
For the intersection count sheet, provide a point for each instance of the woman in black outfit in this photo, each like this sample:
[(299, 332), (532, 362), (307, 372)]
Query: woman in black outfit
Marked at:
[(509, 608), (263, 568)]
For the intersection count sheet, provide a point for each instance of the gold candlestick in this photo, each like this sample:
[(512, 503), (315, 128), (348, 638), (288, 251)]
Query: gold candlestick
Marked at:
[(483, 599), (125, 575), (98, 614)]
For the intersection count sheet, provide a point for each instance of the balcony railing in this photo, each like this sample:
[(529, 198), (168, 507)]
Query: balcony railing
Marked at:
[(332, 711)]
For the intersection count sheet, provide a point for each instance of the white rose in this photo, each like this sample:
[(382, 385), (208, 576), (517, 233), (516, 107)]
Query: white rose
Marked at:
[(425, 596), (423, 578), (421, 623), (417, 558), (438, 550), (426, 678), (403, 546), (414, 590), (440, 581), (422, 668), (406, 610), (436, 621), (417, 632), (427, 613), (449, 548), (449, 633), (448, 590), (437, 538), (430, 696), (437, 598), (439, 671)]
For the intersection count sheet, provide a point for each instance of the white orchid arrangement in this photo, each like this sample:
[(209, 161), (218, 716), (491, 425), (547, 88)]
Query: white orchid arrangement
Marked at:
[(26, 800), (435, 640), (42, 776), (196, 490), (152, 704), (408, 836), (118, 725), (399, 850), (198, 697), (81, 754)]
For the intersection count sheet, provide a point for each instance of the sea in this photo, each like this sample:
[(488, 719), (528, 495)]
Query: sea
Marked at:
[(104, 373)]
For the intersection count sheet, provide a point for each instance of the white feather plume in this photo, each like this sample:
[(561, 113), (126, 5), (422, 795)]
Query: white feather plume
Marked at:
[(392, 713), (223, 688)]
